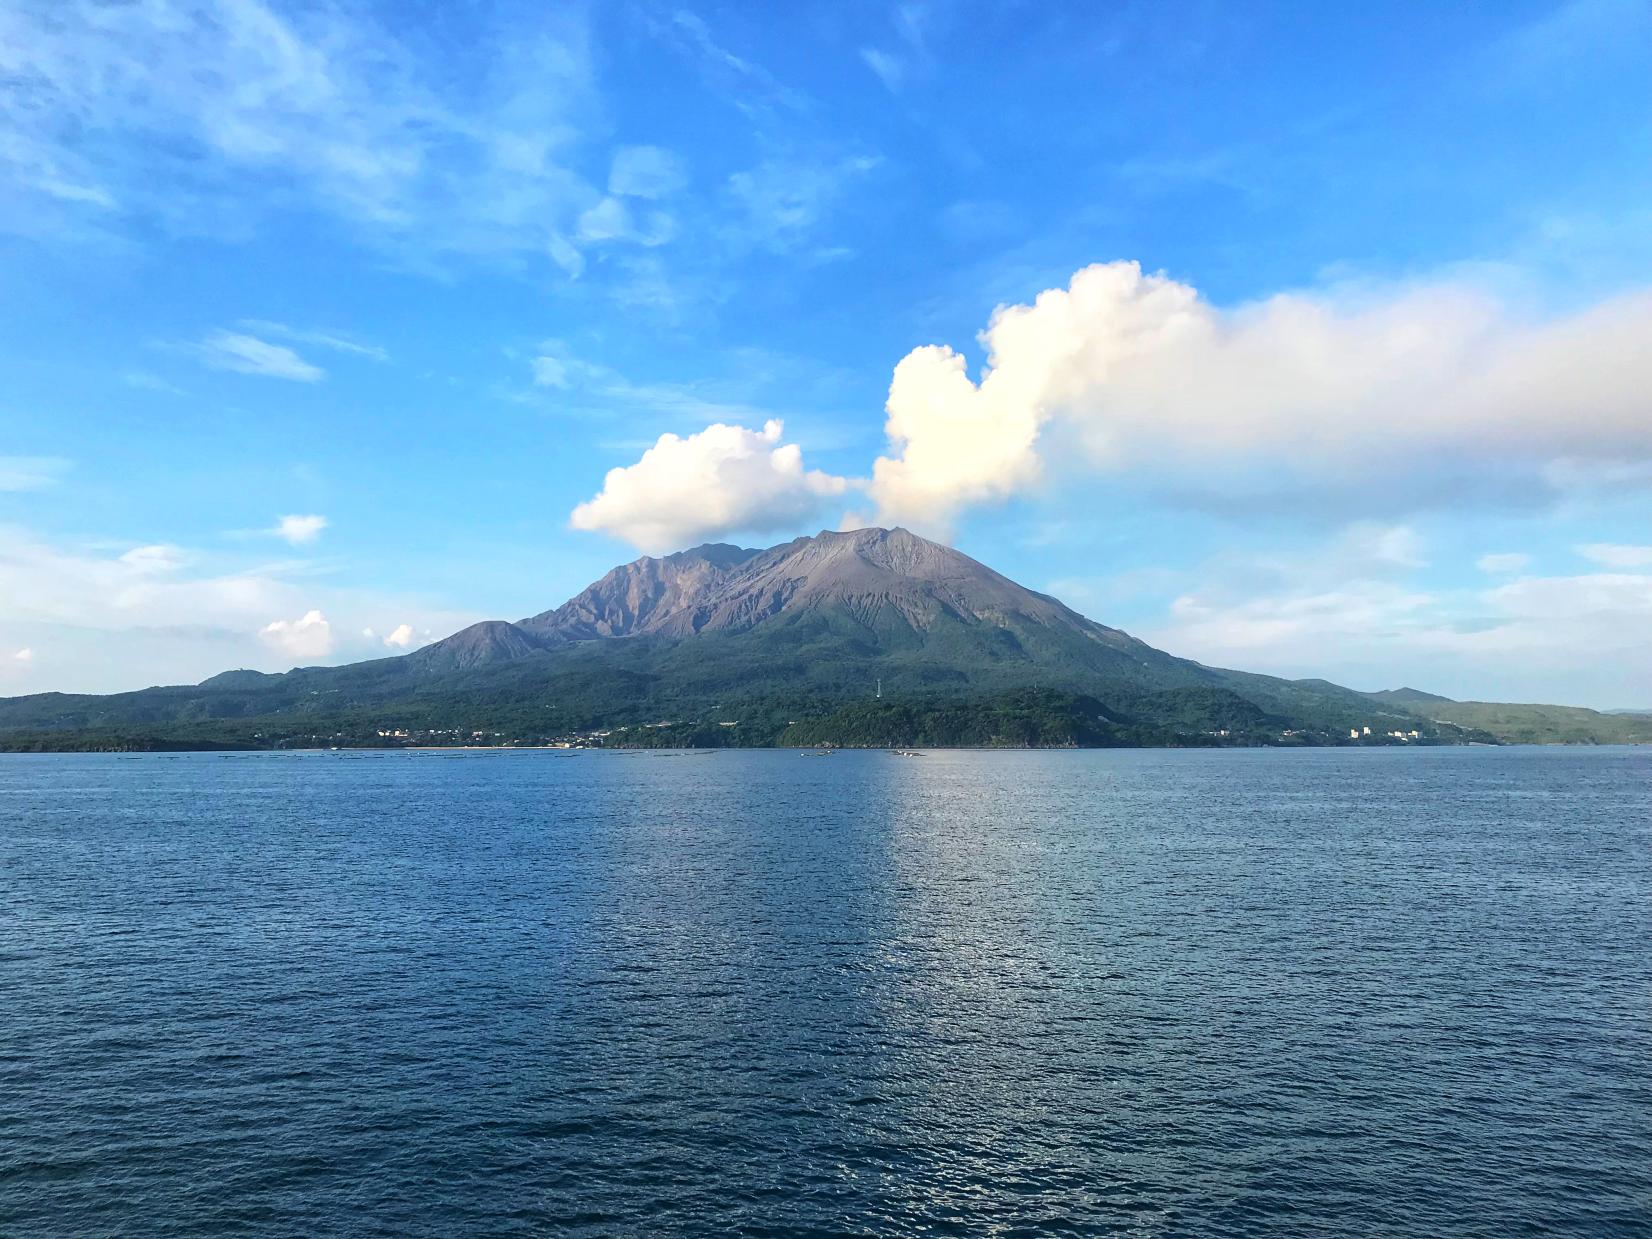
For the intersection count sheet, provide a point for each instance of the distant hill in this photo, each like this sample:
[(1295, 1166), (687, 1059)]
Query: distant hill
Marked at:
[(1526, 724), (1407, 696), (873, 636)]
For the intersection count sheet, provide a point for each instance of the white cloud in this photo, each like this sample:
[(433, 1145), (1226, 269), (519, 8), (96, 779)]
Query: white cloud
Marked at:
[(401, 637), (1276, 630), (1502, 562), (565, 254), (1149, 381), (24, 655), (244, 354), (645, 172), (612, 220), (549, 372), (960, 444), (1381, 546), (1334, 612), (299, 530), (153, 559), (309, 636), (126, 618), (20, 473), (722, 480), (606, 221), (1611, 555), (136, 588)]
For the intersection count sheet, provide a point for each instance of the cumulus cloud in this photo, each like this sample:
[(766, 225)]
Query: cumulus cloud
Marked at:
[(645, 172), (1147, 380), (959, 443), (719, 481), (299, 530), (1611, 555), (309, 636), (401, 637), (19, 473), (1503, 562), (244, 354)]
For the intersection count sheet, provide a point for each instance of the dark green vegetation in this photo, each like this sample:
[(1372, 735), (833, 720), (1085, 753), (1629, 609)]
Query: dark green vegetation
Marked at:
[(875, 637)]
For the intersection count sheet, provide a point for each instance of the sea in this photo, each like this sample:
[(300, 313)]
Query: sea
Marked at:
[(1339, 992)]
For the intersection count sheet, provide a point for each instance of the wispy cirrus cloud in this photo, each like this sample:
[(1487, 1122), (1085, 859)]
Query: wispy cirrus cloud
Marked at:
[(1617, 555), (247, 354), (739, 80), (890, 68), (600, 391), (1499, 563), (203, 116), (646, 172), (336, 341), (251, 348), (1336, 611), (21, 473), (109, 617), (779, 203), (144, 380), (893, 67)]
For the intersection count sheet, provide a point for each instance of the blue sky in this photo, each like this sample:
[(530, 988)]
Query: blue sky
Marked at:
[(325, 324)]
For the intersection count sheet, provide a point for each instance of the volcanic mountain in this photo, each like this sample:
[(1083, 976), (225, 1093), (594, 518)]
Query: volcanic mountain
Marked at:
[(833, 634), (891, 584)]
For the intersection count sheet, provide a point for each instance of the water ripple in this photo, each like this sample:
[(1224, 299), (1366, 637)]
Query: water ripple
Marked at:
[(1227, 993)]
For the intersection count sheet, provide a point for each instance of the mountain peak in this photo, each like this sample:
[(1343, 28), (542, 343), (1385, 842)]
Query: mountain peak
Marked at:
[(872, 576), (723, 554), (487, 642)]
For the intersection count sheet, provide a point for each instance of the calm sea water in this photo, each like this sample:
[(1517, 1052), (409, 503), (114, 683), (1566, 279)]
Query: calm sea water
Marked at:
[(1227, 993)]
